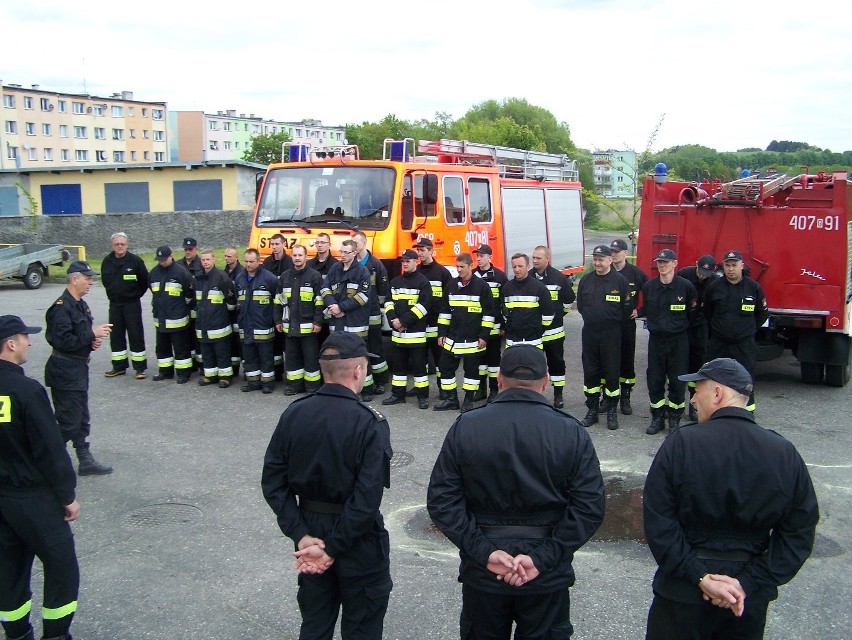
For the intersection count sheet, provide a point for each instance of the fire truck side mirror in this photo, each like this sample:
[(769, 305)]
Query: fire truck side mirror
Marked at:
[(430, 188), (258, 183)]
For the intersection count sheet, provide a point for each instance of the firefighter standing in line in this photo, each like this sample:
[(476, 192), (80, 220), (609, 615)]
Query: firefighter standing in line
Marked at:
[(700, 275), (562, 296), (215, 303), (172, 298), (407, 312), (464, 325), (322, 263), (636, 278), (603, 299), (299, 293), (490, 363), (256, 290), (37, 497), (670, 304), (517, 487), (125, 278), (192, 263), (379, 290), (439, 277), (735, 307), (526, 306), (277, 263), (233, 268), (332, 453), (73, 338)]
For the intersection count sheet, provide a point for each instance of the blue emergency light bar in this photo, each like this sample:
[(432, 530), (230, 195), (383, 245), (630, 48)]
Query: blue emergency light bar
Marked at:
[(298, 153), (399, 151)]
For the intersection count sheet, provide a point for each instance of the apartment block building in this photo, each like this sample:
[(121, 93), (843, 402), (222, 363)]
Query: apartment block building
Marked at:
[(42, 129), (196, 136), (615, 173)]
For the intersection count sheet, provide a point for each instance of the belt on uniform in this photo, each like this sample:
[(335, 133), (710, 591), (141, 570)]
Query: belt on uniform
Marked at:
[(70, 356), (516, 531), (733, 555), (315, 506)]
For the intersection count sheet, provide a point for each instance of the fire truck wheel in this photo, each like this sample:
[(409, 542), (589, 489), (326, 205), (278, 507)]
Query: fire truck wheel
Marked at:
[(836, 375), (812, 372)]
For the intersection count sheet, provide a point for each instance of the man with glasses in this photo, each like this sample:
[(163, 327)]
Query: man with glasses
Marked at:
[(379, 290), (322, 262), (277, 263)]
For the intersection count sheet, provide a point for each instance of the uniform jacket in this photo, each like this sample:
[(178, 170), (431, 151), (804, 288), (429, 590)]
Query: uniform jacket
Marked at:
[(299, 292), (330, 447), (562, 296), (277, 267), (518, 462), (636, 278), (69, 332), (495, 278), (467, 316), (32, 454), (527, 310), (669, 308), (735, 311), (172, 297), (688, 273), (379, 287), (256, 305), (193, 266), (215, 301), (728, 485), (322, 267), (125, 279), (410, 298), (350, 290), (439, 277), (233, 273), (604, 299)]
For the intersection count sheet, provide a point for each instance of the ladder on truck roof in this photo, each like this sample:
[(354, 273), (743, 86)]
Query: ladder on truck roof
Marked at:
[(753, 188), (512, 163)]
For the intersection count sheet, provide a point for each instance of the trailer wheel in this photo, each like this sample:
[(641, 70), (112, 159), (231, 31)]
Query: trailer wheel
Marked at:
[(812, 372), (836, 375), (34, 277)]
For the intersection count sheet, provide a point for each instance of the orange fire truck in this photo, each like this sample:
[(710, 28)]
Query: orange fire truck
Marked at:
[(795, 234), (458, 194)]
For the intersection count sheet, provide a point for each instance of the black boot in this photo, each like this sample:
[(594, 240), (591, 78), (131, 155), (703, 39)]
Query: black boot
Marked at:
[(658, 421), (480, 392), (449, 403), (394, 399), (67, 636), (29, 635), (492, 389), (88, 465), (251, 385), (467, 403), (612, 415), (558, 402), (626, 409), (603, 403), (593, 403), (674, 419)]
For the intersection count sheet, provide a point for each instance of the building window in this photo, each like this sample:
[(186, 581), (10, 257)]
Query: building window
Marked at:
[(62, 105), (30, 127), (255, 128), (159, 136), (28, 102), (98, 109), (146, 155), (145, 133), (78, 107), (44, 103), (245, 128), (9, 102), (226, 126), (159, 156), (79, 132), (64, 155), (214, 126), (12, 153), (236, 145), (214, 145), (144, 112), (132, 156), (117, 111), (45, 129), (63, 131), (11, 126), (32, 154), (156, 114), (118, 134), (47, 154), (81, 155), (132, 133), (226, 145), (100, 133), (298, 133), (118, 156), (100, 156), (131, 111)]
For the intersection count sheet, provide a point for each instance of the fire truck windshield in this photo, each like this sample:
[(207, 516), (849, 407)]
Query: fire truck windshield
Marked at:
[(355, 197)]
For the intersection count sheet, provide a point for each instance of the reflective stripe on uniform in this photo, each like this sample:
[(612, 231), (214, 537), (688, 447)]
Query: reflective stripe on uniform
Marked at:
[(59, 612), (17, 614)]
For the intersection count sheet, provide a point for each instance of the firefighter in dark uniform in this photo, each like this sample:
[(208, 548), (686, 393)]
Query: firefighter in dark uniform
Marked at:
[(172, 298), (730, 515), (636, 278), (37, 499), (517, 487), (73, 337), (670, 304), (322, 263), (702, 274), (125, 278), (299, 293), (256, 290), (192, 263), (439, 277), (490, 364), (407, 312), (526, 306), (277, 263), (233, 268), (735, 307), (324, 474), (603, 299), (215, 304), (379, 291), (562, 296), (464, 325)]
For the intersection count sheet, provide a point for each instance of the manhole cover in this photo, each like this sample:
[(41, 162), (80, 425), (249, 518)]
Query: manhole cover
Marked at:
[(420, 527), (162, 514), (401, 459)]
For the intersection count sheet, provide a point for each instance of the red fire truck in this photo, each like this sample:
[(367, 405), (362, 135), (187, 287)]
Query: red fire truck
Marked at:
[(795, 236)]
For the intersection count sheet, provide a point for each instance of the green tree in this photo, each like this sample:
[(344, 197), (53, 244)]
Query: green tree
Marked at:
[(266, 148)]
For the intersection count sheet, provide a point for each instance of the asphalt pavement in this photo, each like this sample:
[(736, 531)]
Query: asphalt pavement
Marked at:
[(179, 543)]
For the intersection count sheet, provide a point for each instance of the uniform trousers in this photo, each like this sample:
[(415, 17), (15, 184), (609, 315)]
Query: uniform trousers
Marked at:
[(668, 358), (744, 352), (216, 356), (33, 525), (697, 350), (489, 616), (375, 344), (433, 353), (448, 364), (627, 367), (670, 620), (236, 350), (194, 347), (174, 353), (410, 359), (489, 364), (555, 352), (126, 320), (302, 360), (278, 355), (601, 360), (363, 598), (259, 360), (72, 414)]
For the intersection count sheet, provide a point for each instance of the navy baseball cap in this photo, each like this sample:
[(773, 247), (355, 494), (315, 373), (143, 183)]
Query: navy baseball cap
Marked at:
[(346, 346), (188, 243), (733, 255), (601, 250), (408, 254), (163, 252), (706, 265), (13, 325), (424, 242), (484, 249), (523, 362), (618, 245), (665, 255), (725, 371), (80, 266)]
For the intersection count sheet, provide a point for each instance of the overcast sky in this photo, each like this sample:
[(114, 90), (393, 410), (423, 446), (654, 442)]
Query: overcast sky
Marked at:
[(726, 74)]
